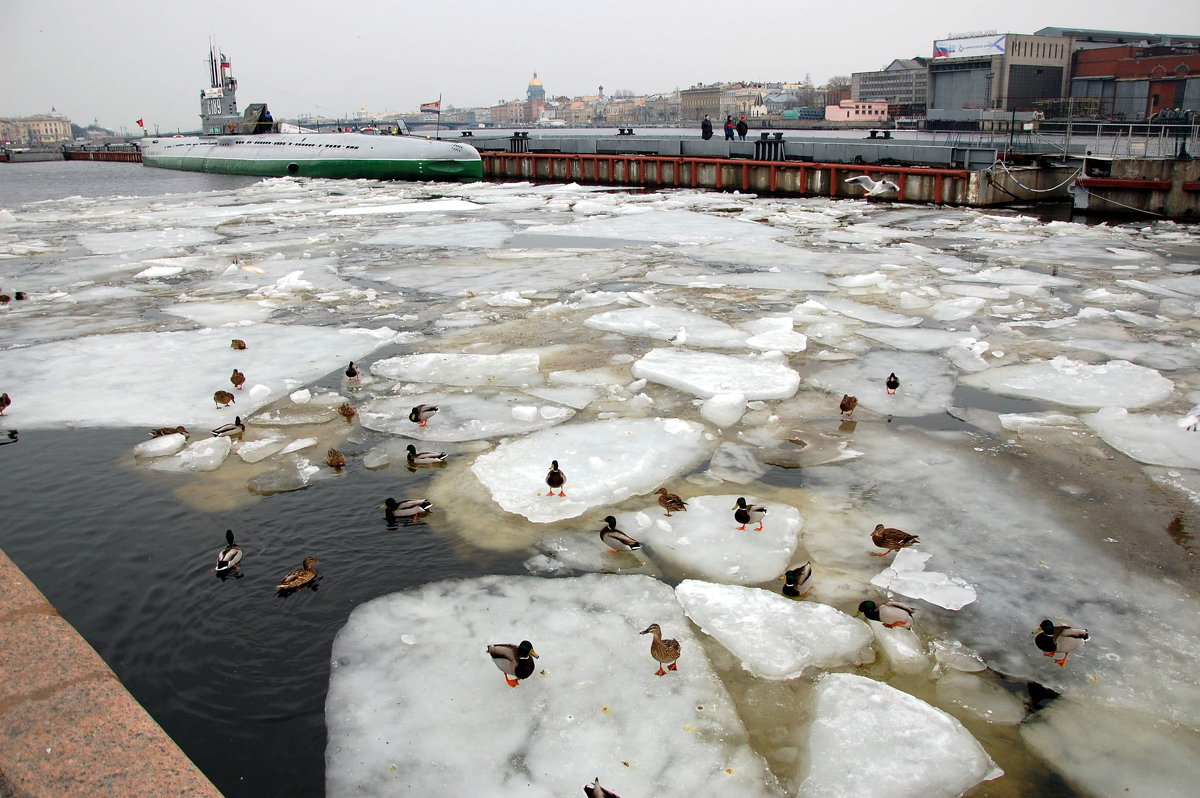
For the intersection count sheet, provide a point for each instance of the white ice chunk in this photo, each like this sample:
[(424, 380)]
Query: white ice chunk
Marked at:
[(516, 368), (462, 416), (300, 397), (775, 637), (298, 444), (902, 648), (589, 699), (706, 374), (292, 473), (175, 375), (868, 738), (663, 324), (1021, 423), (705, 541), (605, 462), (206, 454), (908, 577), (161, 446), (1147, 437), (724, 409), (914, 340), (1117, 383), (261, 449)]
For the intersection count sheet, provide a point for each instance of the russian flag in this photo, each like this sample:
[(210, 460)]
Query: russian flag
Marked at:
[(224, 61), (431, 108)]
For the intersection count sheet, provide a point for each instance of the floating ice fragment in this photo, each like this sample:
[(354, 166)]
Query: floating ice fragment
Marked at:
[(591, 692), (908, 577), (1117, 383), (664, 324), (605, 463), (706, 374), (462, 416), (517, 368), (724, 409), (871, 739), (1146, 437), (775, 637), (161, 446)]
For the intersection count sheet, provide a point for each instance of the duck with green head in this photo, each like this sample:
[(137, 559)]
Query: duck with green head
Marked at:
[(514, 661)]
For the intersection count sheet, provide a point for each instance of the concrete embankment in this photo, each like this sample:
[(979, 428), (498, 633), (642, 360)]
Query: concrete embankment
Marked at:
[(67, 725)]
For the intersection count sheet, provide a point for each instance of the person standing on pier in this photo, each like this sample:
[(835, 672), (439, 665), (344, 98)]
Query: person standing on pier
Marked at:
[(742, 128), (729, 128), (706, 128)]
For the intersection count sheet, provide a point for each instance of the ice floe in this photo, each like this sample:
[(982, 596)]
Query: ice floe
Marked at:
[(593, 705), (871, 739), (1117, 383), (774, 636), (706, 374), (605, 462)]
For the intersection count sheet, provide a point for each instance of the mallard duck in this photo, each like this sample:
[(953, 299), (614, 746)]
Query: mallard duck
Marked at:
[(670, 502), (1063, 640), (407, 510), (892, 382), (556, 478), (237, 343), (233, 430), (885, 537), (229, 557), (748, 514), (594, 790), (238, 379), (161, 431), (797, 583), (20, 296), (515, 662), (347, 411), (421, 414), (223, 398), (8, 436), (5, 299), (5, 402), (848, 404), (416, 458), (301, 576), (616, 540), (665, 651), (352, 373), (890, 613), (335, 459)]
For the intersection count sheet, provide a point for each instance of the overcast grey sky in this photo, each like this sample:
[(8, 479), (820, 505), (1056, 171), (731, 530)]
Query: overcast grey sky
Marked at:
[(116, 61)]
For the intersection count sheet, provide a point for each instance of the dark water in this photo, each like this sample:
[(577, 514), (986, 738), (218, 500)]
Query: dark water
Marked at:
[(235, 674), (22, 183)]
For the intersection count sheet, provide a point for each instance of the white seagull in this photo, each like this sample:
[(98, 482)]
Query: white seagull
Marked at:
[(1191, 420), (873, 188)]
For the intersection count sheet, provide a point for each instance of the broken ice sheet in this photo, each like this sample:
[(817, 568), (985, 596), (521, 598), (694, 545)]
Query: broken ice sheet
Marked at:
[(593, 705), (774, 636), (870, 739), (908, 577), (1117, 383), (705, 540), (463, 416), (605, 463)]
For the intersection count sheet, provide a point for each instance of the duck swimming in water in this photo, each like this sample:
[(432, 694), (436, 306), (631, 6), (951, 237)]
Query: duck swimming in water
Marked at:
[(407, 511), (162, 431), (301, 576), (229, 557), (234, 430)]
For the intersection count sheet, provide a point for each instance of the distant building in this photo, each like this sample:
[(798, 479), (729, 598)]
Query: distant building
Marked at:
[(40, 129), (699, 100), (902, 84), (1086, 39), (1136, 82), (870, 113), (1007, 71)]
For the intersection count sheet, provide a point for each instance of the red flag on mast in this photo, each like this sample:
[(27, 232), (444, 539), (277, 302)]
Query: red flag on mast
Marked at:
[(140, 124)]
